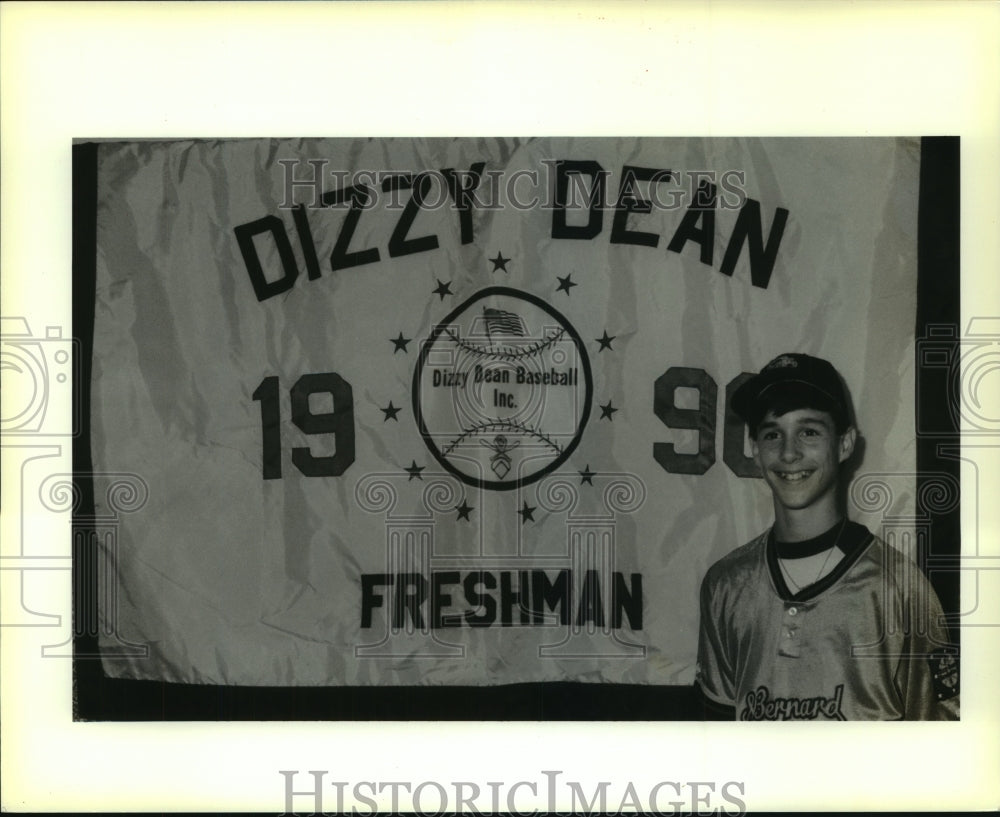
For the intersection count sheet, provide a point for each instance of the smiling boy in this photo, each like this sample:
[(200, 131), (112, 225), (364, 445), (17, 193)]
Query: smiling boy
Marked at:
[(816, 618)]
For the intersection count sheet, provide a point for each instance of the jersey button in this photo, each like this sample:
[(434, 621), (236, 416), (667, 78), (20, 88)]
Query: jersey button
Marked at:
[(793, 610)]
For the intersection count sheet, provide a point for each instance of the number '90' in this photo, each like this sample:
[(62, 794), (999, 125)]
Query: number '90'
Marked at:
[(701, 419)]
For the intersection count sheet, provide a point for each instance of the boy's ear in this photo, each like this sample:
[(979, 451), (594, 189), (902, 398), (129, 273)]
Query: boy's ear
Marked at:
[(847, 441)]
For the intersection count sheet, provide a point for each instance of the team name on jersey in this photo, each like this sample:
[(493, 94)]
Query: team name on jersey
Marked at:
[(760, 706)]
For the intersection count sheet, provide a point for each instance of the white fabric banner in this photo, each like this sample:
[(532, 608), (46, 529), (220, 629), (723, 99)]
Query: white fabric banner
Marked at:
[(453, 411)]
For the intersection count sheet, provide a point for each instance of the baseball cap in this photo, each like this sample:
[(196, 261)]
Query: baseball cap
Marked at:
[(790, 369)]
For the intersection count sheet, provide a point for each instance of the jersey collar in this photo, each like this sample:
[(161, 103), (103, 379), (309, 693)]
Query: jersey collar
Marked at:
[(853, 542)]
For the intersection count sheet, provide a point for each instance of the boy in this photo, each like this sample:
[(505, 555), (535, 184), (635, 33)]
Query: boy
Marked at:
[(816, 618)]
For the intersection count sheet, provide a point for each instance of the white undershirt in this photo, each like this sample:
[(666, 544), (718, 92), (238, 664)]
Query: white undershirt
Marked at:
[(809, 569)]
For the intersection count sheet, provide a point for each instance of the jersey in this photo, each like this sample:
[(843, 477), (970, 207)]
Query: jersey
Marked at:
[(865, 642)]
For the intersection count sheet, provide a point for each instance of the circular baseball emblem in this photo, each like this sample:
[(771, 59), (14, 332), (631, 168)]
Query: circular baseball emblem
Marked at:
[(502, 389)]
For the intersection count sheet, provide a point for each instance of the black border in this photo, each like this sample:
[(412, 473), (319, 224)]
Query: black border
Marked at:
[(938, 329), (418, 414), (99, 698)]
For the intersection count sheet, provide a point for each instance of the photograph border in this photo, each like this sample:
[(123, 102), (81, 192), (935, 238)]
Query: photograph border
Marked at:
[(100, 698)]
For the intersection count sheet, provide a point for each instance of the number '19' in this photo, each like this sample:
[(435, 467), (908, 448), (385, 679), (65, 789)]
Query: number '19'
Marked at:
[(339, 422)]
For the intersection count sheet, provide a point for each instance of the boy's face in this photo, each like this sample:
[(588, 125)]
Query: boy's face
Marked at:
[(800, 454)]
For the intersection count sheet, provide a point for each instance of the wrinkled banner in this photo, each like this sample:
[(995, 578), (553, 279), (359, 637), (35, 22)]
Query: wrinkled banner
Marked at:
[(454, 411)]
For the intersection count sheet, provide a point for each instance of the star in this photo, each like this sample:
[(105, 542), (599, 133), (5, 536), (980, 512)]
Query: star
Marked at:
[(499, 262), (526, 513), (414, 471), (443, 288), (390, 412), (607, 411), (564, 284), (463, 511), (399, 343), (605, 341), (586, 475)]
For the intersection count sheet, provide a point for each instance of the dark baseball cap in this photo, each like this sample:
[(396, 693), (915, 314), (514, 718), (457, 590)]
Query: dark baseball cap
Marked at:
[(803, 372)]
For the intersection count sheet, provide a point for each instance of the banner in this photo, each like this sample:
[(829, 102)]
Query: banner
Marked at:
[(455, 411)]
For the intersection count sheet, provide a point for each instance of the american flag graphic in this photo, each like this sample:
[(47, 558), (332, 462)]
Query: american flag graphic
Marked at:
[(501, 322)]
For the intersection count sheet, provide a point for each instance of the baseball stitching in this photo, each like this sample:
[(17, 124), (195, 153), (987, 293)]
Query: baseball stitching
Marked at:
[(505, 352), (502, 425)]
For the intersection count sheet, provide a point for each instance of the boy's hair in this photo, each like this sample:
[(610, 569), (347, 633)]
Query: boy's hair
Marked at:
[(790, 382)]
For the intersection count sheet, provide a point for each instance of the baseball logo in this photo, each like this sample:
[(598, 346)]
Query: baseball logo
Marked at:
[(502, 389)]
